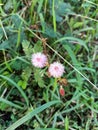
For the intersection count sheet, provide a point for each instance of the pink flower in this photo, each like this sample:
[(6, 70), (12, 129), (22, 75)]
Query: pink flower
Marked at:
[(56, 69), (39, 60)]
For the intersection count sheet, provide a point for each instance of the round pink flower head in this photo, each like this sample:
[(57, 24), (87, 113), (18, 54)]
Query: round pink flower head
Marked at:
[(39, 60), (56, 69)]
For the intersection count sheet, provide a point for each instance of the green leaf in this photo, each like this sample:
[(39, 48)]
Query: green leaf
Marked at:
[(31, 114), (78, 25), (38, 77), (27, 48), (17, 64), (8, 5), (50, 32), (12, 40), (38, 47), (22, 84), (61, 9), (25, 76), (4, 45), (3, 106), (16, 20)]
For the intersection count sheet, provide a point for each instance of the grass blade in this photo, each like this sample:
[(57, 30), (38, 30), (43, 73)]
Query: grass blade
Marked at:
[(19, 88), (54, 17), (72, 39), (31, 114), (75, 62), (10, 103), (66, 123), (47, 129)]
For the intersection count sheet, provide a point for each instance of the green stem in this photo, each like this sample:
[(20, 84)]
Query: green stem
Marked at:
[(55, 84), (54, 16)]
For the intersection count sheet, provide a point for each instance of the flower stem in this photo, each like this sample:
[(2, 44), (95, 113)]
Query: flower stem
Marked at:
[(55, 85)]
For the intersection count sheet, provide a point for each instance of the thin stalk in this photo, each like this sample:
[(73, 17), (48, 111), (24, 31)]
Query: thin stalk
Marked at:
[(54, 17), (91, 2), (55, 84), (86, 17), (3, 30)]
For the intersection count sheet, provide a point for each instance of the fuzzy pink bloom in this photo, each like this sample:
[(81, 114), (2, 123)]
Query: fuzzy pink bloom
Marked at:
[(56, 69), (39, 60)]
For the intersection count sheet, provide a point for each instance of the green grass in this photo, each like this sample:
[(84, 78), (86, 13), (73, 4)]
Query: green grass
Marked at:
[(29, 98)]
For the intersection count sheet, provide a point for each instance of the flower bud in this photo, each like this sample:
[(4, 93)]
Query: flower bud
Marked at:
[(62, 91)]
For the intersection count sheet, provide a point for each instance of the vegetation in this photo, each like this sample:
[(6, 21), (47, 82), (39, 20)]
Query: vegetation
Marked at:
[(66, 31)]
